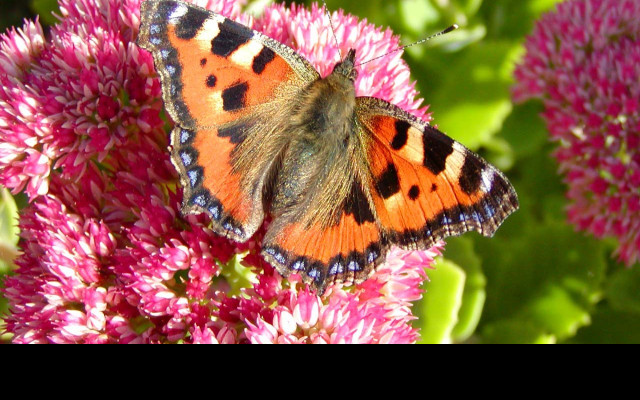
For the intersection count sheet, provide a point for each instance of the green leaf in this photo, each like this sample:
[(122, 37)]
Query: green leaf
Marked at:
[(516, 332), (610, 327), (469, 95), (540, 186), (623, 292), (45, 9), (547, 276), (537, 7), (9, 232), (379, 12), (460, 250), (257, 7), (417, 15), (459, 11), (441, 304), (525, 129), (13, 14), (514, 18), (556, 311)]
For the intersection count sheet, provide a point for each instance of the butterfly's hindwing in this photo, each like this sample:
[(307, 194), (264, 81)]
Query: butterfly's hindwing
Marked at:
[(345, 251)]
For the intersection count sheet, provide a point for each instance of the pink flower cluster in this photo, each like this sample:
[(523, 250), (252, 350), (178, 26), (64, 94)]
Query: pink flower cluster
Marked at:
[(583, 61), (107, 256)]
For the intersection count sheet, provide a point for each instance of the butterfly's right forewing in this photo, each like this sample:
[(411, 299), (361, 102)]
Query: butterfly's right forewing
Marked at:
[(425, 185)]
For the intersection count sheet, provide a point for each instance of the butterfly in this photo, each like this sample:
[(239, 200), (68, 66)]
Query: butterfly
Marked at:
[(260, 134)]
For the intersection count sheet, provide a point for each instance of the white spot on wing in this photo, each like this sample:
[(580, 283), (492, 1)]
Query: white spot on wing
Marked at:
[(455, 162), (209, 31), (215, 102), (487, 180), (457, 147), (180, 11), (246, 53), (414, 149)]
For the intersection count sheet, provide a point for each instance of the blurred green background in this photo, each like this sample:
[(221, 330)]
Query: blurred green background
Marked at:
[(537, 280)]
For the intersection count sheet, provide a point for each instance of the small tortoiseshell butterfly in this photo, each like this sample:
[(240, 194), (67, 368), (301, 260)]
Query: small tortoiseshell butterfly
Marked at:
[(259, 132)]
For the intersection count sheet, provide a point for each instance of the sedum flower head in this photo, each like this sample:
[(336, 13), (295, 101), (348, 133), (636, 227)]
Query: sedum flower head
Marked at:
[(107, 256), (583, 62)]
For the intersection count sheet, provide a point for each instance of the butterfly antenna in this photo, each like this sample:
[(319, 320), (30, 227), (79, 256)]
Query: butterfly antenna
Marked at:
[(444, 32), (332, 29)]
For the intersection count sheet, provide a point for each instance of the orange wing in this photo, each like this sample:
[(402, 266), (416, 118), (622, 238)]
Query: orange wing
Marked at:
[(346, 252), (425, 185), (421, 186), (217, 75)]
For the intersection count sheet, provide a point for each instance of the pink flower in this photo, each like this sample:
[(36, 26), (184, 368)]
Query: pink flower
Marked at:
[(24, 159), (107, 256), (379, 311), (582, 61)]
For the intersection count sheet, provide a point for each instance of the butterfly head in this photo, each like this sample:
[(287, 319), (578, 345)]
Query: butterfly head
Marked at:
[(347, 66)]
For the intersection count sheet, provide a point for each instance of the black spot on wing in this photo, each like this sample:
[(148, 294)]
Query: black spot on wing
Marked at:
[(236, 132), (261, 61), (402, 135), (437, 147), (232, 35), (164, 8), (358, 206), (471, 175), (388, 183), (414, 192), (211, 81), (234, 98), (189, 25)]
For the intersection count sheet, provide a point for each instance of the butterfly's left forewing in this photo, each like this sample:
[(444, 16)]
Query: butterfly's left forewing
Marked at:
[(224, 85)]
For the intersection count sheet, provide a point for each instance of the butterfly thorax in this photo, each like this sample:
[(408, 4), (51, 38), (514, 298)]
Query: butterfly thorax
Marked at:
[(321, 128), (327, 107)]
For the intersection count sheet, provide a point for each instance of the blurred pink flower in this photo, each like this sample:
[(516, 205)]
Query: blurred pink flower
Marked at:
[(107, 256), (583, 61)]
